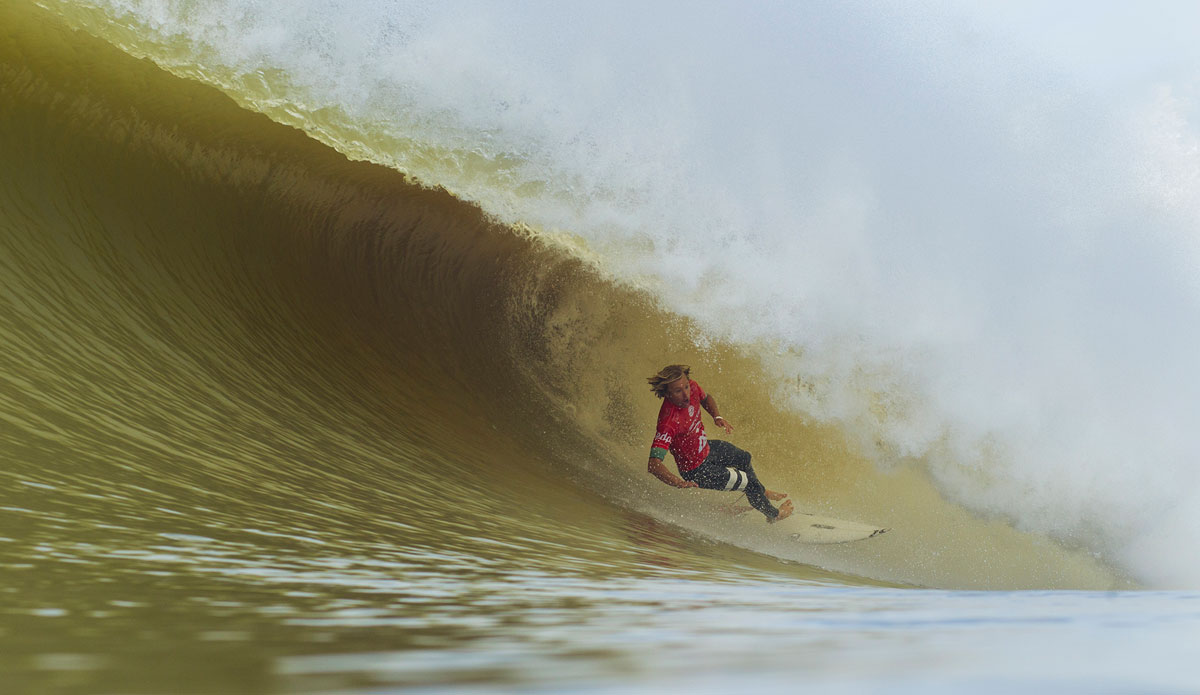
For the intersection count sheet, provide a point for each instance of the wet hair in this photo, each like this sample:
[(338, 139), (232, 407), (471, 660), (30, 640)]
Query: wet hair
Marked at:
[(666, 375)]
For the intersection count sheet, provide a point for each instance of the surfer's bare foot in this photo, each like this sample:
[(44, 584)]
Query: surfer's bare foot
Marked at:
[(774, 496), (785, 510)]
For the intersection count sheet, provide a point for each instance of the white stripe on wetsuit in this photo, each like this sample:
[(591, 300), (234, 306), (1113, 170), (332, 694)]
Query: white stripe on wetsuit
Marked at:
[(737, 480)]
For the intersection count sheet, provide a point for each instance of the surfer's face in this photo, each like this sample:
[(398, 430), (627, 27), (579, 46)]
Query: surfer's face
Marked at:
[(679, 392)]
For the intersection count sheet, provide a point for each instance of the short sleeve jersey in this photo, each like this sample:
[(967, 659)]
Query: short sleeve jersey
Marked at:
[(681, 432)]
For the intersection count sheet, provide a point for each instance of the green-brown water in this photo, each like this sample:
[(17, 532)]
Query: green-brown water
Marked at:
[(274, 420)]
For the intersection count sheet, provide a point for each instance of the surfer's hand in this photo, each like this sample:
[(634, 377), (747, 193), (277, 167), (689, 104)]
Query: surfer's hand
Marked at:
[(721, 421), (686, 483)]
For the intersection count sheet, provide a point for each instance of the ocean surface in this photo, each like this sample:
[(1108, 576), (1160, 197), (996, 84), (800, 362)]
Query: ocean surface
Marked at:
[(324, 331)]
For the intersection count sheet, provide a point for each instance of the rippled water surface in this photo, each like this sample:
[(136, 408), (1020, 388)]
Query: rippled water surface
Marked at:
[(194, 614)]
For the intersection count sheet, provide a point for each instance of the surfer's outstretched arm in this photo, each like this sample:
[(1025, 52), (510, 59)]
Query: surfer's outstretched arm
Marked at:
[(710, 404), (659, 470)]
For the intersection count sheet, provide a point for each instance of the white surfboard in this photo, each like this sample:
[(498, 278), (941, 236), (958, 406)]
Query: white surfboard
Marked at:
[(810, 528)]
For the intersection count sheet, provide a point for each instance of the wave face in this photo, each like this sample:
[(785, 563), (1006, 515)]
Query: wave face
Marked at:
[(430, 333), (969, 260)]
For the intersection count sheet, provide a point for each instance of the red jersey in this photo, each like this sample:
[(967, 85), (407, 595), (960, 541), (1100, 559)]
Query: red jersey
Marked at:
[(681, 432)]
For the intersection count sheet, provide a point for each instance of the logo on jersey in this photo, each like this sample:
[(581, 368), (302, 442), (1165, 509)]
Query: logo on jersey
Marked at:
[(691, 410)]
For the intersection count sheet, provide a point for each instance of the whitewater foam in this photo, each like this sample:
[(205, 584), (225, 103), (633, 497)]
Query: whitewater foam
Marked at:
[(970, 260)]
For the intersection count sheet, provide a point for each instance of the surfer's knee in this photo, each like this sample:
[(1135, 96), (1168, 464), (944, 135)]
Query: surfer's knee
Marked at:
[(737, 481)]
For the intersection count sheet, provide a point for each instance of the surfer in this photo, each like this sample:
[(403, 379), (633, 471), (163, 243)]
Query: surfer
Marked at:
[(711, 465)]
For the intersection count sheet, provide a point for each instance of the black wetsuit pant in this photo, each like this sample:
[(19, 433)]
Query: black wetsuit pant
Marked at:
[(728, 468)]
